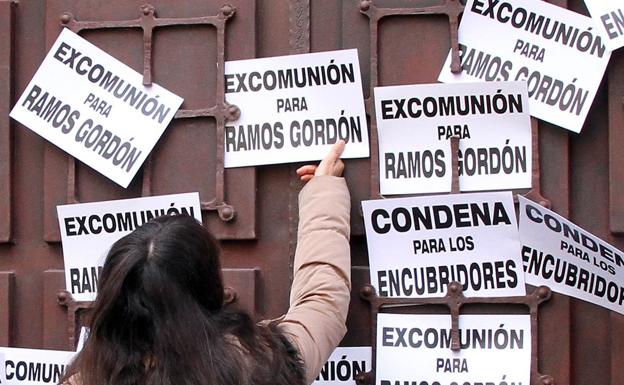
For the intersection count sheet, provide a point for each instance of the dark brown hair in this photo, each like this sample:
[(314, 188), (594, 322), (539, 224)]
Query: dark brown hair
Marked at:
[(159, 319)]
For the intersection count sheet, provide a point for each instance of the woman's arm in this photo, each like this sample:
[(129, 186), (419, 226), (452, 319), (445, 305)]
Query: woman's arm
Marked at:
[(320, 292)]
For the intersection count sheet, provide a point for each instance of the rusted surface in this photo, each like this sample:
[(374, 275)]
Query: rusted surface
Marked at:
[(535, 193), (6, 91), (299, 43), (450, 8), (579, 343), (299, 22), (7, 291), (55, 338), (616, 138), (221, 112), (147, 21), (454, 141), (239, 291), (454, 300)]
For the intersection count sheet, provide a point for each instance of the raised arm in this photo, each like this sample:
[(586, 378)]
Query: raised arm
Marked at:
[(320, 293)]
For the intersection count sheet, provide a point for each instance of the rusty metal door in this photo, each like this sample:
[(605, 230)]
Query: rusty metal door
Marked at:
[(181, 45)]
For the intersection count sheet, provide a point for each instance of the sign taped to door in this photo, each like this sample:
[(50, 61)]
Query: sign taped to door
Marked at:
[(293, 108), (415, 123), (557, 52), (344, 364), (34, 366), (95, 108), (418, 245), (495, 349), (609, 18), (88, 230), (561, 255)]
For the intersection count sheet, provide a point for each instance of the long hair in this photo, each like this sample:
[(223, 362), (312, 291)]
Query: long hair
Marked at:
[(159, 319)]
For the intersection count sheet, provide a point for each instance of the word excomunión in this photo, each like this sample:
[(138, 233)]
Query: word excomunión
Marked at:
[(270, 80), (96, 73), (113, 222), (431, 106), (518, 17), (432, 338)]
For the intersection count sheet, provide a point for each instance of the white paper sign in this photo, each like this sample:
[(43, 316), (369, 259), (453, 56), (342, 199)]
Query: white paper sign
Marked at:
[(2, 364), (88, 230), (556, 51), (344, 364), (559, 254), (416, 349), (417, 246), (415, 122), (294, 107), (82, 339), (608, 15), (95, 108), (34, 366)]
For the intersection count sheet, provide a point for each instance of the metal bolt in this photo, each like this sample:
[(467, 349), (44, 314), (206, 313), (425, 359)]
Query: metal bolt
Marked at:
[(66, 18), (232, 113), (548, 380), (227, 10), (227, 213), (229, 295), (365, 5), (147, 9), (367, 291), (454, 288), (543, 292)]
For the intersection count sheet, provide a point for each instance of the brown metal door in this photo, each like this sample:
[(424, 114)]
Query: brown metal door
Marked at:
[(254, 210)]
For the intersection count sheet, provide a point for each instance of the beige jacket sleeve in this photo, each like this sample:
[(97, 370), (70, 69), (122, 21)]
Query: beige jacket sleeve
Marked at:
[(320, 293)]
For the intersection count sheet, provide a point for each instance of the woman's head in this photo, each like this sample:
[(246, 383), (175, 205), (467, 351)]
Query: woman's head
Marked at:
[(159, 289), (158, 318), (168, 256)]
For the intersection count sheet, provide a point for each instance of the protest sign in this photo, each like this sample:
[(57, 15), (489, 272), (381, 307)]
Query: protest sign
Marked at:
[(88, 230), (2, 365), (418, 245), (344, 364), (416, 349), (568, 259), (294, 107), (95, 108), (556, 51), (609, 19), (415, 123), (34, 366)]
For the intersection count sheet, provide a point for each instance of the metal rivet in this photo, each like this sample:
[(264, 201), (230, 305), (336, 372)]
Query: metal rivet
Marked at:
[(227, 213), (227, 10), (66, 18), (367, 291)]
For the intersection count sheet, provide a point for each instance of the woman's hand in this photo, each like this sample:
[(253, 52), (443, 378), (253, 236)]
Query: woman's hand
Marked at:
[(330, 165)]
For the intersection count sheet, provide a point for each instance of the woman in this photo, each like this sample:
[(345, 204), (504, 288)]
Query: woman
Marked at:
[(159, 319)]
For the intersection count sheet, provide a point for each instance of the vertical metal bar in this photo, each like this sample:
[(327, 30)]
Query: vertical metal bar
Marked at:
[(72, 182), (220, 118), (454, 165), (535, 193), (370, 105), (299, 26), (299, 42), (7, 19), (147, 21)]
